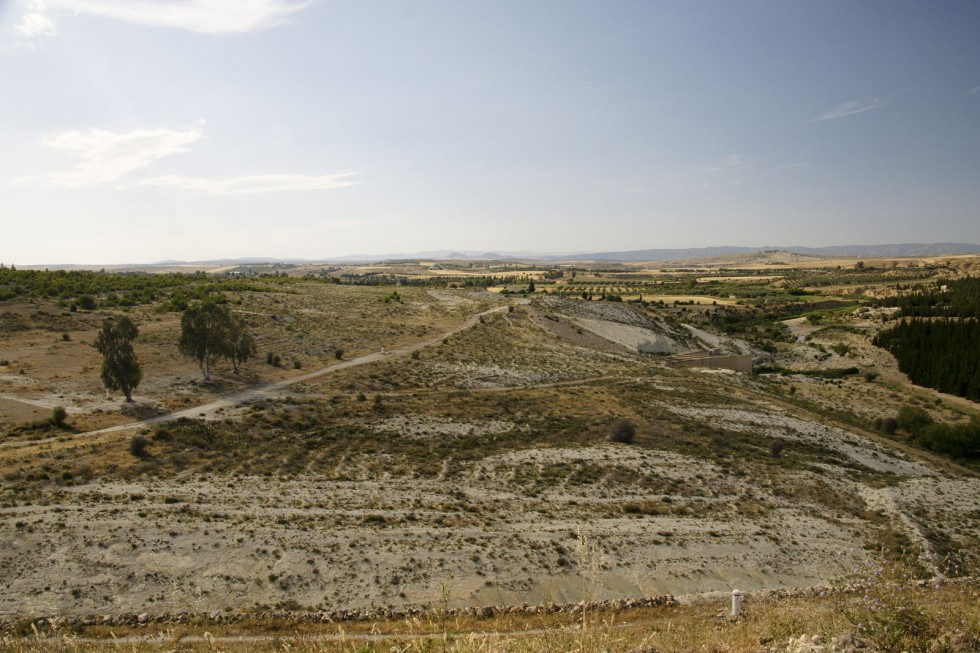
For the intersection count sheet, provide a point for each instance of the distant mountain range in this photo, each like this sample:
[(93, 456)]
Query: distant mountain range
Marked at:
[(869, 251)]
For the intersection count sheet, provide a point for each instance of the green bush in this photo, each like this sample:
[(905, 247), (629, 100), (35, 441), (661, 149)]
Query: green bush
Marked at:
[(58, 416), (955, 440), (912, 419), (86, 302)]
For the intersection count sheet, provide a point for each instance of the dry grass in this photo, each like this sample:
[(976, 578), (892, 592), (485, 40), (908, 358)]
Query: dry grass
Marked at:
[(480, 458), (944, 613)]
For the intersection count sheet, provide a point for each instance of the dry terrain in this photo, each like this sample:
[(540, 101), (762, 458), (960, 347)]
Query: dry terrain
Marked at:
[(462, 466)]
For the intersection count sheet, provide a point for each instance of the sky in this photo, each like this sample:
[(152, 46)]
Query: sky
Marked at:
[(135, 131)]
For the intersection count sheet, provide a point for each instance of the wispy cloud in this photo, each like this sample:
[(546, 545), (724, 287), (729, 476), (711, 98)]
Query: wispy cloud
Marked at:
[(34, 21), (851, 108), (731, 162), (974, 90), (257, 183), (107, 156), (202, 16)]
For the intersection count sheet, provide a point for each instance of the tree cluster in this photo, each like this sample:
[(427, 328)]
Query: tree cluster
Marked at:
[(939, 346), (955, 440), (941, 354), (89, 289), (957, 298), (209, 332)]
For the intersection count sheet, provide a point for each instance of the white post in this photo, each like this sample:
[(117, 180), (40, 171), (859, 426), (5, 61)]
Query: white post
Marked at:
[(736, 603)]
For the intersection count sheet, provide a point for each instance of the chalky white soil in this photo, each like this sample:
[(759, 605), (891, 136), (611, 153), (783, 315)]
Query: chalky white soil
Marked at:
[(534, 525)]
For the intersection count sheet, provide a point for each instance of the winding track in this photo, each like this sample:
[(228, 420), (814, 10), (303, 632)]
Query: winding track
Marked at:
[(265, 390)]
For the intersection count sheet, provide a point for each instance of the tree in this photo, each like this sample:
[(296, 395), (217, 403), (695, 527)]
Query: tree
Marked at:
[(209, 331), (205, 335), (121, 369), (242, 344)]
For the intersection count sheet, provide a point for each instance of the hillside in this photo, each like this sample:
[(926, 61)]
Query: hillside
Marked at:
[(467, 464)]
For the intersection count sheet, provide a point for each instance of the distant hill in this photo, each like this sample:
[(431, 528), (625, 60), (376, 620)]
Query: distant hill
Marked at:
[(870, 251), (906, 249)]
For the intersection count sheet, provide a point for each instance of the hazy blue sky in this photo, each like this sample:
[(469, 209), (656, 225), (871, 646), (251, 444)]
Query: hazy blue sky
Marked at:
[(140, 130)]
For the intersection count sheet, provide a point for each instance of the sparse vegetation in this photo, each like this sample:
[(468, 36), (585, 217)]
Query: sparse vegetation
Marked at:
[(373, 483)]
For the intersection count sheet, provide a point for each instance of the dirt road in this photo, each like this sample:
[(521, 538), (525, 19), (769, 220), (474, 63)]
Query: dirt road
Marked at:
[(262, 391)]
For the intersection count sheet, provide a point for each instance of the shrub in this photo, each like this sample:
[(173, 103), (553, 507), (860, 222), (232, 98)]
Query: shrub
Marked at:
[(955, 440), (58, 416), (888, 425), (870, 376), (297, 364), (138, 446), (338, 353), (65, 337), (86, 302), (623, 430), (913, 419), (776, 446)]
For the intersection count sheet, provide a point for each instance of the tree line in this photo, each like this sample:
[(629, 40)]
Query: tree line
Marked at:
[(942, 354), (937, 342), (87, 289), (946, 298)]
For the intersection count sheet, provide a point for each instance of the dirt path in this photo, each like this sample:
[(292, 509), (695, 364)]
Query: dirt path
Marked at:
[(271, 388)]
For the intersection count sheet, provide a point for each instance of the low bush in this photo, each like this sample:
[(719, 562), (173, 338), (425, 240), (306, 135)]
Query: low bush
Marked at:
[(776, 446), (58, 416), (138, 446), (623, 431)]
